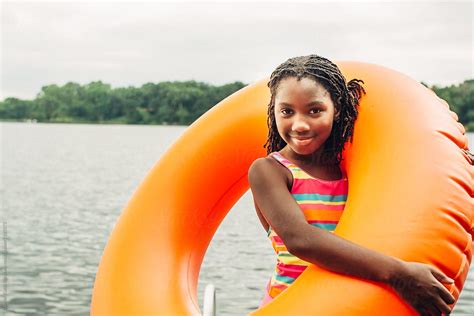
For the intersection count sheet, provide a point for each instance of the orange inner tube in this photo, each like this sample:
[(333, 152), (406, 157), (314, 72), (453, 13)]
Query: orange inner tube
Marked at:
[(410, 196)]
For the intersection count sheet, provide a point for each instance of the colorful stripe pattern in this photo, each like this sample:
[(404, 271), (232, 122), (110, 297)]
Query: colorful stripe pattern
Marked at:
[(322, 203)]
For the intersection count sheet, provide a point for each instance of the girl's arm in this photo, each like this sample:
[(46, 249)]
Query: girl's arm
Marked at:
[(415, 282)]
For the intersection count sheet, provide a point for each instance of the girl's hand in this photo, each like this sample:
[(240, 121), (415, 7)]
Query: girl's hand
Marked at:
[(420, 286)]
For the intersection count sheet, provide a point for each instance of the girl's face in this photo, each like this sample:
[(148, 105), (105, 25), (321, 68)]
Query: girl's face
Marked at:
[(304, 115)]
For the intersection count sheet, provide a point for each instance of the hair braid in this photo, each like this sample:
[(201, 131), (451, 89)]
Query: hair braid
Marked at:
[(344, 96)]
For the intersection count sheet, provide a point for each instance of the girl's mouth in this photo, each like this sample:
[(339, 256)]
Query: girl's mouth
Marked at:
[(302, 141)]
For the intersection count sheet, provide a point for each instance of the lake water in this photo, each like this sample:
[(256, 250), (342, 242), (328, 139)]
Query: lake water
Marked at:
[(63, 188)]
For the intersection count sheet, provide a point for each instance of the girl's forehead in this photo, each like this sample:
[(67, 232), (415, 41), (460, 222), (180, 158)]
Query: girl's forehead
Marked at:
[(291, 88)]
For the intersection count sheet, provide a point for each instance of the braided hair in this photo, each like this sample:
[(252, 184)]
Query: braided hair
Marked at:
[(344, 96)]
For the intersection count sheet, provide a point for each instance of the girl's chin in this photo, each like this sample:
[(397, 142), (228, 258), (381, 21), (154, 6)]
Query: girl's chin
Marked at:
[(305, 151)]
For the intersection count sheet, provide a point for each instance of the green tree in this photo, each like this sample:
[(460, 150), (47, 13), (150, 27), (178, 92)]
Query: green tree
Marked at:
[(16, 109), (461, 100), (98, 102)]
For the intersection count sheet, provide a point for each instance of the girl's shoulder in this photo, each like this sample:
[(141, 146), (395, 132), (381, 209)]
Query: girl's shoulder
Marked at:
[(272, 169)]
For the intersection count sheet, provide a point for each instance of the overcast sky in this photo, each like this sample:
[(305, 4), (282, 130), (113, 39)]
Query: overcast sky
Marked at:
[(131, 43)]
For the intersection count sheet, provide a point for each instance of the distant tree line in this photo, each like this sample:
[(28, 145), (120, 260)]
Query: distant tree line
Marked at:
[(461, 100), (178, 102)]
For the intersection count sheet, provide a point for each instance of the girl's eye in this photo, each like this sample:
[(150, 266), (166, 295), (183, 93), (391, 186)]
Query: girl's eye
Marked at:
[(285, 111), (316, 110)]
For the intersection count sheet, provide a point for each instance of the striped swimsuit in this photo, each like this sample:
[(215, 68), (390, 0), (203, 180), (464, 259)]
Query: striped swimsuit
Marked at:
[(322, 203)]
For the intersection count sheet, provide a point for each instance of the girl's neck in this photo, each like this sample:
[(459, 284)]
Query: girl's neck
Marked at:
[(315, 158)]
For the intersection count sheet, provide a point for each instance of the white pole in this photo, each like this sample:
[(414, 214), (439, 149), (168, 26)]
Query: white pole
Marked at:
[(209, 306)]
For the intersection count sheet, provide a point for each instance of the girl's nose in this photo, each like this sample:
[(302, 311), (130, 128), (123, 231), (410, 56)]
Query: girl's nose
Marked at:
[(300, 125)]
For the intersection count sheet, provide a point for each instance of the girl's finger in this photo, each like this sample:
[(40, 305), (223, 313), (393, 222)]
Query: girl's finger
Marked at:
[(433, 310), (446, 295), (442, 307), (441, 276)]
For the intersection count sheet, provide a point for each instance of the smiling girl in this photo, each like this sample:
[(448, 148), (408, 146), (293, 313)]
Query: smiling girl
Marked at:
[(299, 189)]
